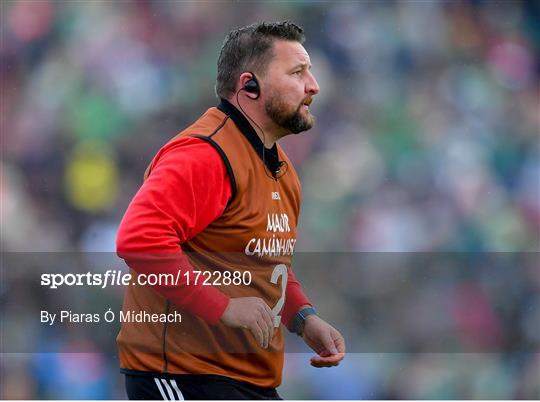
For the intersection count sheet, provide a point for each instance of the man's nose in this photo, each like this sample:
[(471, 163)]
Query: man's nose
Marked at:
[(312, 87)]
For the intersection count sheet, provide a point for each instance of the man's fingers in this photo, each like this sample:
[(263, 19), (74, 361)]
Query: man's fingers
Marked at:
[(340, 344), (270, 315), (329, 344), (268, 318), (266, 313), (270, 326), (257, 332), (318, 364), (265, 331), (327, 361)]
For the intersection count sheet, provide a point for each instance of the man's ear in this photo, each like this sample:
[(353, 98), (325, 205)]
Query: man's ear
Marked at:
[(250, 84)]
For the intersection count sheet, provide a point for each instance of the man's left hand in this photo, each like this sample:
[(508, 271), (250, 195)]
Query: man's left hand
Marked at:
[(325, 340)]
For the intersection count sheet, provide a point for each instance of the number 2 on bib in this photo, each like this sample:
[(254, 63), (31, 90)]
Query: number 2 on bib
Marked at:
[(279, 270)]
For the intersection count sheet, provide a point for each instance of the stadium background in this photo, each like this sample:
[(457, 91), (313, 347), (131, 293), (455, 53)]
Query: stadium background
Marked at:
[(427, 140)]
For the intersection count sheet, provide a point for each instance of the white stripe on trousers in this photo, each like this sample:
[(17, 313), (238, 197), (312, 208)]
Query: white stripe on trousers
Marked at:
[(156, 380), (175, 386), (169, 390)]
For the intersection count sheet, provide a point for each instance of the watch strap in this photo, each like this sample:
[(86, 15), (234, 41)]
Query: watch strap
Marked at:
[(299, 319)]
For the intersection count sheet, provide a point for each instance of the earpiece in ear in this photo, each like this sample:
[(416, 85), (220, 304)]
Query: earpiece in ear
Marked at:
[(252, 86)]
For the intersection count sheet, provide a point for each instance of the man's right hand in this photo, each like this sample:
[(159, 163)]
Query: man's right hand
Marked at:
[(251, 313)]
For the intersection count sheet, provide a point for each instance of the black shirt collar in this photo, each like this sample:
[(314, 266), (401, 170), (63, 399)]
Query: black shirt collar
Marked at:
[(270, 158)]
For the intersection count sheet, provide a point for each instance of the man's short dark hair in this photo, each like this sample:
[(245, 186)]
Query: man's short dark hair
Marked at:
[(250, 49)]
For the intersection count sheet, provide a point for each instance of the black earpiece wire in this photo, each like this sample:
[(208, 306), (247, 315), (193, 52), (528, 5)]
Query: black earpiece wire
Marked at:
[(262, 131)]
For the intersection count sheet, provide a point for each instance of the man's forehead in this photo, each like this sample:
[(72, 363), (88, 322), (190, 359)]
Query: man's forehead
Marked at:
[(290, 52)]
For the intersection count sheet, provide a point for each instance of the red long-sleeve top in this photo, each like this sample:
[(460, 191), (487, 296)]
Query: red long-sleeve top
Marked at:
[(173, 205)]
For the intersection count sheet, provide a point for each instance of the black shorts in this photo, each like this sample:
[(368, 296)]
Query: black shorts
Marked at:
[(191, 386)]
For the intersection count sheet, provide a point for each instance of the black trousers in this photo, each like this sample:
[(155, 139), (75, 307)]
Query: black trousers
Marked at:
[(191, 386)]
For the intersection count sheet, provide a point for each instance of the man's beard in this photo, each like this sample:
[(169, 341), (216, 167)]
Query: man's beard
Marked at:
[(281, 114)]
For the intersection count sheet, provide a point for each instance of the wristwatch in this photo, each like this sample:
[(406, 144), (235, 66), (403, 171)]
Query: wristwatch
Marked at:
[(300, 319)]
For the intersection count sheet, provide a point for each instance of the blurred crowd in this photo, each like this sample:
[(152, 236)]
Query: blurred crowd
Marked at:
[(427, 140)]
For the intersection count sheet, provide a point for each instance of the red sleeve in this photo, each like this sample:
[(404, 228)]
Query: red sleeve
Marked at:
[(294, 299), (187, 189)]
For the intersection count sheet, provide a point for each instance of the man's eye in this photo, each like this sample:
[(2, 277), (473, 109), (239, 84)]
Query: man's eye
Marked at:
[(298, 72)]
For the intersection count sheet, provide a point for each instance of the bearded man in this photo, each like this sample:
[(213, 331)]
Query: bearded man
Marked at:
[(222, 198)]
